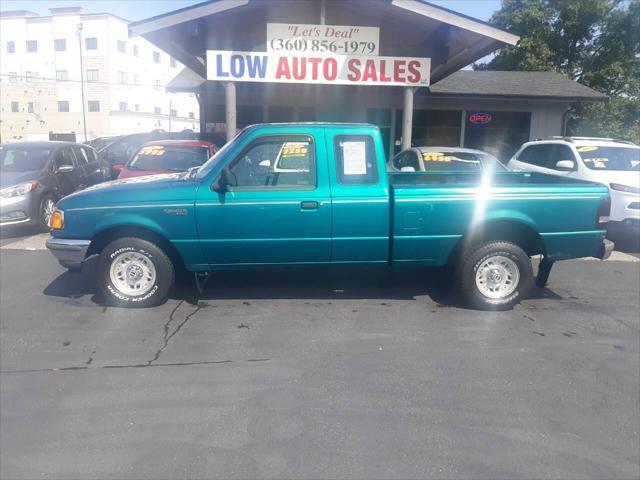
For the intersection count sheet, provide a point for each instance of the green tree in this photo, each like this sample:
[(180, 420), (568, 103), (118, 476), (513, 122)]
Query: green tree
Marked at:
[(594, 42)]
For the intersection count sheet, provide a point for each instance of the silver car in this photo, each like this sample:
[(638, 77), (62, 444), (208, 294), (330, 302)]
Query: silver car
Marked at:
[(444, 159)]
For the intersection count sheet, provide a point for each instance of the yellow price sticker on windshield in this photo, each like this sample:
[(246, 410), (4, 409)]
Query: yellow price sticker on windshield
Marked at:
[(436, 157), (587, 149), (152, 150), (294, 149)]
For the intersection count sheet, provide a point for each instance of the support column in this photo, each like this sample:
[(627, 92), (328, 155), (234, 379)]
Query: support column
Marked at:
[(230, 109), (407, 117), (202, 110)]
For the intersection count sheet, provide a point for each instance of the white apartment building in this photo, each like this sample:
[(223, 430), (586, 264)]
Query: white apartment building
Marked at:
[(124, 78)]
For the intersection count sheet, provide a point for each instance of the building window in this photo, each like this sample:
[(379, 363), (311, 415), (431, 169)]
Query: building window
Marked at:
[(11, 47), (32, 46), (91, 43), (156, 84), (172, 62), (62, 75), (156, 57), (136, 79), (122, 77), (122, 46), (174, 113), (63, 106), (122, 106), (13, 77), (60, 44), (92, 75), (137, 107), (30, 107), (15, 107), (157, 110), (94, 105), (501, 136), (27, 76), (191, 115), (136, 52)]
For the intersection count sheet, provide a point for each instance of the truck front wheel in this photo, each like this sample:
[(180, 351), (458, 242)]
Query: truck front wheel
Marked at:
[(495, 275), (134, 273)]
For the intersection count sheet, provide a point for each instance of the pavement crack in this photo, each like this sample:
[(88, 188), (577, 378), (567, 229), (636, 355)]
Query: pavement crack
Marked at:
[(168, 335)]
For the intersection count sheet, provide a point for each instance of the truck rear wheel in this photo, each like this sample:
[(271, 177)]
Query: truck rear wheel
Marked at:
[(135, 273), (495, 275)]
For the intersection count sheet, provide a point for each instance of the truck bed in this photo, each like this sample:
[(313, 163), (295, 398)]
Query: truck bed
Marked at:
[(432, 211)]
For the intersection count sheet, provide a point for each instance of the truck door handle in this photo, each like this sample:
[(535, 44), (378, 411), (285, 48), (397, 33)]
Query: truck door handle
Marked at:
[(308, 205)]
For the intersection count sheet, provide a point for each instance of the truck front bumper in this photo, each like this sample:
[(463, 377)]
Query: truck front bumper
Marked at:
[(606, 249), (69, 252)]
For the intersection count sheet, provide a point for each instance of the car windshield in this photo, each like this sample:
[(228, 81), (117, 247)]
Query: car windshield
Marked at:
[(459, 161), (610, 158), (22, 158), (163, 157)]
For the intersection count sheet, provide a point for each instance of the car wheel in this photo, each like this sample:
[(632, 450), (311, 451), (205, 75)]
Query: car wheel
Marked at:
[(47, 205), (135, 273), (495, 275)]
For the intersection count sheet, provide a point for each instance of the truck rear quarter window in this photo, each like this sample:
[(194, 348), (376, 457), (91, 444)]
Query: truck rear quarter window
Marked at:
[(355, 159)]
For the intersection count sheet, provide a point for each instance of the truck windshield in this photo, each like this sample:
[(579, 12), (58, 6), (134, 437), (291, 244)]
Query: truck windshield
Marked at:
[(204, 170), (175, 158), (23, 158), (610, 158)]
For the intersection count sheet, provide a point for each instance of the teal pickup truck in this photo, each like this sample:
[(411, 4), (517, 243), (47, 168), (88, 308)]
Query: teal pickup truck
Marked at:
[(320, 194)]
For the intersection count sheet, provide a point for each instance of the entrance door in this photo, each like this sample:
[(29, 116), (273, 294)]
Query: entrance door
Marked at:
[(277, 209)]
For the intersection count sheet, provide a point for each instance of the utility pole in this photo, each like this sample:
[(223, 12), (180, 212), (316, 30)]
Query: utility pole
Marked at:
[(84, 115), (170, 113)]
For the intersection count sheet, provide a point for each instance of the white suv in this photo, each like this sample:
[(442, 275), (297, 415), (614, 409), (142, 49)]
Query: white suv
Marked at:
[(603, 160)]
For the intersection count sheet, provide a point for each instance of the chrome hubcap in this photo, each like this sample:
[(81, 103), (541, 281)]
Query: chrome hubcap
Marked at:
[(47, 210), (132, 273), (497, 277)]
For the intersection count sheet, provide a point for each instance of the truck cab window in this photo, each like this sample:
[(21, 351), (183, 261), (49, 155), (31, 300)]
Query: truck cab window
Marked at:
[(355, 159), (277, 163)]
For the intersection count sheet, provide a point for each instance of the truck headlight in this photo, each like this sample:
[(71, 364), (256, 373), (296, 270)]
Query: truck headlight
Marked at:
[(56, 222), (624, 188), (18, 190)]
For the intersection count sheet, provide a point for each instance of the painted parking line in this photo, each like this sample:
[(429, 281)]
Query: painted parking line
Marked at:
[(34, 242)]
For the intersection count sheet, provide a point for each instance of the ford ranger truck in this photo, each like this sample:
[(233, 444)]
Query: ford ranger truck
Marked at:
[(319, 194)]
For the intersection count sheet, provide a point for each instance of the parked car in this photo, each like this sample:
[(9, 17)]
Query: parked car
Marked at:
[(440, 159), (613, 163), (34, 175), (118, 153), (320, 194), (167, 156), (101, 142)]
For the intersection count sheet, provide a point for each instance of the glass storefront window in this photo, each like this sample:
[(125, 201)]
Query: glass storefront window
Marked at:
[(436, 128), (497, 133)]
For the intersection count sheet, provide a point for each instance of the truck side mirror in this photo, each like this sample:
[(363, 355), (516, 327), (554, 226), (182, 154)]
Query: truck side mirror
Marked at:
[(221, 184), (566, 165)]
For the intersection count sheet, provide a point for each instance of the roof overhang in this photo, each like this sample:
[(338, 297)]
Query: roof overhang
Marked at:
[(412, 28)]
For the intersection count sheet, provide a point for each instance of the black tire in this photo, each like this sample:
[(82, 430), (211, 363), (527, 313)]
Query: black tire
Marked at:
[(474, 259), (158, 289), (43, 214)]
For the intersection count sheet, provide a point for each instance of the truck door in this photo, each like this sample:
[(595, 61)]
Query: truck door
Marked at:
[(277, 208), (359, 195)]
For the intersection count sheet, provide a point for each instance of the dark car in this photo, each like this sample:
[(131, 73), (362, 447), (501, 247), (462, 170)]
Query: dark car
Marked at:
[(444, 159), (167, 156), (118, 153), (102, 142), (35, 175)]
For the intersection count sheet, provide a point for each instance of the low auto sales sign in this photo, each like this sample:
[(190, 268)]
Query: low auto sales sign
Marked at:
[(317, 68)]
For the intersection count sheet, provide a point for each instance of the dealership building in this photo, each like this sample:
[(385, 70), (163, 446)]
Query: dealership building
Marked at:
[(394, 63)]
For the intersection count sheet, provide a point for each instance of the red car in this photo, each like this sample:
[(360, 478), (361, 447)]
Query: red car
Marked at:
[(167, 156)]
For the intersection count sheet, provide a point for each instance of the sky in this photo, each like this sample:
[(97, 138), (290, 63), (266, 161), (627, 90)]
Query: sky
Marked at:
[(134, 10)]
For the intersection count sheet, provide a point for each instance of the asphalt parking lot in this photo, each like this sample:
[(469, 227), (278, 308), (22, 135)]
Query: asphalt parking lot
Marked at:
[(318, 374)]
